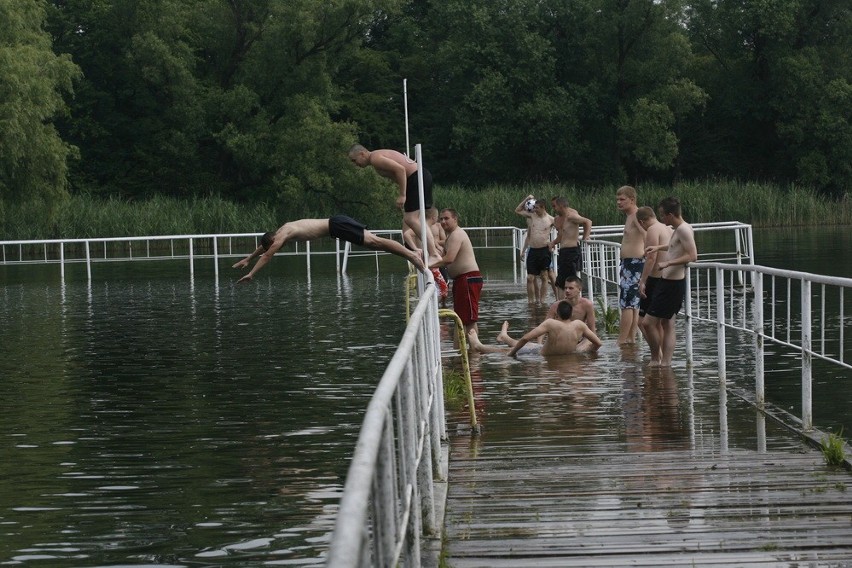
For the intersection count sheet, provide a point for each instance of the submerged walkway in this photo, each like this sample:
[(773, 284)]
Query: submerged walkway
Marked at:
[(601, 462)]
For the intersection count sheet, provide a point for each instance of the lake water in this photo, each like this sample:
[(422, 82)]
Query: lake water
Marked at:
[(156, 419)]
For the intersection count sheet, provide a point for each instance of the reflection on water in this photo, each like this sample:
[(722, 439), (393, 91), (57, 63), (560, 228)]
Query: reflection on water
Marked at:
[(152, 418), (172, 421)]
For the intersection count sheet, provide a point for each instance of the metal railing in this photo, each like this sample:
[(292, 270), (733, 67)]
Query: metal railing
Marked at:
[(800, 311), (601, 254), (389, 500), (210, 248), (804, 312)]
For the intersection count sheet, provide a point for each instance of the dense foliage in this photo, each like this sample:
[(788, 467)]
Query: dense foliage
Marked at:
[(258, 100)]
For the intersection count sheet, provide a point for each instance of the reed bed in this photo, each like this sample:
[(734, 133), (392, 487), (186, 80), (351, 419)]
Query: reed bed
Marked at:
[(84, 216), (762, 205)]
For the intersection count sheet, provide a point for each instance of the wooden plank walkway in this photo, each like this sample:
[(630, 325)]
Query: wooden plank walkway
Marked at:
[(622, 487)]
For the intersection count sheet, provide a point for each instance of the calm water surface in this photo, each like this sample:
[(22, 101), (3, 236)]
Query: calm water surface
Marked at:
[(150, 418)]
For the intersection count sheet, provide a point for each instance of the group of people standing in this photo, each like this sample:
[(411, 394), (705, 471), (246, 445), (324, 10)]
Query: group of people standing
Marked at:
[(654, 254), (651, 287)]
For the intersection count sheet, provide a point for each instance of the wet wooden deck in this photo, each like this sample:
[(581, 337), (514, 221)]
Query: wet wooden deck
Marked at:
[(628, 484)]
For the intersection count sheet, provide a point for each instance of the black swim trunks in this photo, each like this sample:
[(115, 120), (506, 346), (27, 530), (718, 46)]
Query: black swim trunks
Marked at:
[(650, 286), (538, 260), (667, 299), (412, 193), (569, 263), (346, 229)]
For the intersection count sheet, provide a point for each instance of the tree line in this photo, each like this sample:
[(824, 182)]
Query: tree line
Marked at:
[(259, 100)]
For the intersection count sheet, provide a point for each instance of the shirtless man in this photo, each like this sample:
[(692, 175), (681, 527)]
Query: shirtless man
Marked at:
[(567, 223), (339, 227), (656, 234), (402, 170), (564, 336), (669, 292), (632, 263), (413, 242), (582, 308), (539, 223), (463, 269)]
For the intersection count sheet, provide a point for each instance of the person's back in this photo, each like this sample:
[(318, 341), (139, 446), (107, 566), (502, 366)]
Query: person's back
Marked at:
[(562, 336)]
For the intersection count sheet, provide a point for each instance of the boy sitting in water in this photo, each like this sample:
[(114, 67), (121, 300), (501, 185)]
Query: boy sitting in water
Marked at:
[(564, 336)]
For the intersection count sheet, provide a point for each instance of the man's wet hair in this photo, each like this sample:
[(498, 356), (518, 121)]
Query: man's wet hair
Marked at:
[(573, 278), (564, 310), (644, 213), (266, 240), (627, 191), (670, 205)]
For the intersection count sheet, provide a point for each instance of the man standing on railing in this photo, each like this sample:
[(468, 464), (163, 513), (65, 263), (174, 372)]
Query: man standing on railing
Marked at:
[(402, 170), (339, 226), (669, 292), (632, 263), (567, 223), (463, 269)]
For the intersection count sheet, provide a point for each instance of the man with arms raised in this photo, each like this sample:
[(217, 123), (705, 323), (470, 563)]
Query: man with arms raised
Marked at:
[(669, 292), (539, 223), (632, 263), (403, 171), (567, 223), (656, 234), (564, 336), (461, 265)]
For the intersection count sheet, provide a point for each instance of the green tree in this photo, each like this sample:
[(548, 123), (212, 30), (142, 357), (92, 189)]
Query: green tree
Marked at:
[(33, 81), (780, 74), (233, 97)]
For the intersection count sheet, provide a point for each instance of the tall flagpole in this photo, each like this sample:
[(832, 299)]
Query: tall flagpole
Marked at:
[(405, 102)]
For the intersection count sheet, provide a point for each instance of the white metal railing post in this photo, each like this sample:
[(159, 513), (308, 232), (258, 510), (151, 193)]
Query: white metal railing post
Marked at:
[(88, 262), (62, 261), (191, 263), (216, 257), (424, 469), (424, 228), (308, 254), (720, 323), (807, 367), (688, 310), (759, 388), (384, 500)]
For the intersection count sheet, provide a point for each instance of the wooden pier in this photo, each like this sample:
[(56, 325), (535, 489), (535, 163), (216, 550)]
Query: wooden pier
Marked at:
[(673, 473)]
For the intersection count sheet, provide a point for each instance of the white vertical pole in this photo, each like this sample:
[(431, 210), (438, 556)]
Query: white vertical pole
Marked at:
[(688, 309), (720, 324), (88, 262), (423, 226), (62, 262), (405, 103), (759, 394), (191, 263), (807, 411), (216, 257)]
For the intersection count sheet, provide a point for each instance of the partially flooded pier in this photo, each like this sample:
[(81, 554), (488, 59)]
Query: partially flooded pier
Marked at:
[(656, 471)]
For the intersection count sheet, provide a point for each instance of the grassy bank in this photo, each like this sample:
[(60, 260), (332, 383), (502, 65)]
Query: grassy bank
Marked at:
[(84, 216)]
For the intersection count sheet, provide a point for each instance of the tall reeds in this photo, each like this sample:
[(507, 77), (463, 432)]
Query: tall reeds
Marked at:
[(703, 201)]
